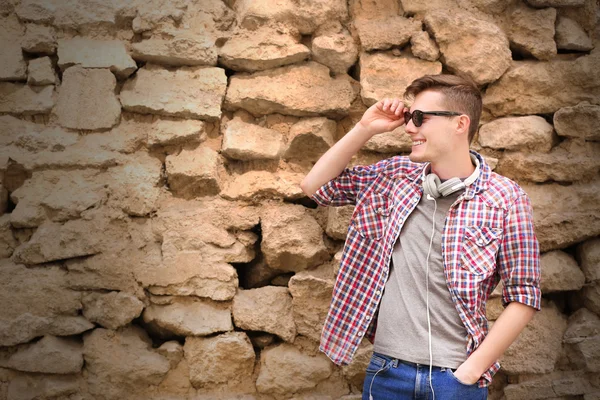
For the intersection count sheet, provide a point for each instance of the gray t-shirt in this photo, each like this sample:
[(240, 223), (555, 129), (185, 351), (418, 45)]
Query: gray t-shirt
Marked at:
[(402, 323)]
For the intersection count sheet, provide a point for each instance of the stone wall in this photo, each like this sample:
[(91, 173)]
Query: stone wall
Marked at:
[(154, 240)]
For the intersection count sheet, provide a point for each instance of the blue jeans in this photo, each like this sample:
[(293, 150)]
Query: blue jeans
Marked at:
[(392, 379)]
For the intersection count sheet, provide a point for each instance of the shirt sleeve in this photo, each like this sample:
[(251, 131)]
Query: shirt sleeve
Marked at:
[(519, 256), (346, 187)]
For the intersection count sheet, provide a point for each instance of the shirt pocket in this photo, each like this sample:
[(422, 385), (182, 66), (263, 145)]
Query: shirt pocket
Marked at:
[(372, 217), (480, 247)]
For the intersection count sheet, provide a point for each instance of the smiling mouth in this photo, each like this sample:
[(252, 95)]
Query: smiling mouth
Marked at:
[(418, 142)]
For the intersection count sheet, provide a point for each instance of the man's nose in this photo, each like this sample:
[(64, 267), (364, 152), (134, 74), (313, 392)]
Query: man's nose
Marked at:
[(410, 127)]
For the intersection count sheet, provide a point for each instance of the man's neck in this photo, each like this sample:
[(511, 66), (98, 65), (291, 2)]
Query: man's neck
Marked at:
[(455, 167)]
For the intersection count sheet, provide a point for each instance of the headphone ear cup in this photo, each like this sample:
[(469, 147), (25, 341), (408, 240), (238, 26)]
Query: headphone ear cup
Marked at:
[(430, 185), (450, 186)]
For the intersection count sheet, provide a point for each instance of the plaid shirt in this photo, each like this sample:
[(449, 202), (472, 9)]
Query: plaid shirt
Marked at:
[(488, 236)]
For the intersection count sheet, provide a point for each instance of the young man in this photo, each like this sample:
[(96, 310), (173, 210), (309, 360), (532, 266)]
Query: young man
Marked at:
[(437, 230)]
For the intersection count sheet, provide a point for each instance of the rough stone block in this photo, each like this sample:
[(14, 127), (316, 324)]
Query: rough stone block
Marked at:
[(588, 254), (258, 185), (310, 91), (338, 220), (16, 98), (245, 141), (484, 59), (194, 173), (560, 272), (292, 240), (189, 92), (284, 370), (384, 75), (87, 100), (530, 133), (166, 132), (311, 295), (262, 48), (580, 121), (524, 89), (571, 36), (532, 32), (423, 47), (396, 141), (267, 309), (95, 53), (219, 360), (186, 316), (112, 310), (50, 355), (40, 72), (12, 64), (386, 33), (8, 242), (181, 50), (310, 138), (583, 338), (335, 49), (39, 39)]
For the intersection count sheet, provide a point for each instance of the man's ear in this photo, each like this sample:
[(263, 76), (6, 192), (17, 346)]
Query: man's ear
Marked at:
[(462, 125)]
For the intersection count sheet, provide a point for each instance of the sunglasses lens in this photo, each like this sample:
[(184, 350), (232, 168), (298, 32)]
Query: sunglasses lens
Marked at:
[(417, 118), (407, 117)]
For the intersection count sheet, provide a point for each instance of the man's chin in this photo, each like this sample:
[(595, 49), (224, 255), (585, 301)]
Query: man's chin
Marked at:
[(418, 158)]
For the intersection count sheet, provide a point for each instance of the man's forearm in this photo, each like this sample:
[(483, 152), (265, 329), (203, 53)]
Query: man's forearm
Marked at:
[(502, 334), (333, 162)]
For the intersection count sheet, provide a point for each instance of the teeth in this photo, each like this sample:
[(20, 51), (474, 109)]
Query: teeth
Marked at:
[(418, 142)]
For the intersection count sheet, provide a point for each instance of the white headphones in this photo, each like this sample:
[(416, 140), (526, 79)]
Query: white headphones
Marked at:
[(433, 186)]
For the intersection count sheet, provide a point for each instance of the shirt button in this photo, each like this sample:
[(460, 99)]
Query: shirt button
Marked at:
[(378, 292), (414, 200), (480, 242)]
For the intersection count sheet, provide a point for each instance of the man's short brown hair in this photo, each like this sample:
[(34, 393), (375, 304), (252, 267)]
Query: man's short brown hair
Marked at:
[(460, 95)]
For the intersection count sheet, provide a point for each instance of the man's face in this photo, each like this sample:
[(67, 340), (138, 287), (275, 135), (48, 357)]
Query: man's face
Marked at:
[(434, 139)]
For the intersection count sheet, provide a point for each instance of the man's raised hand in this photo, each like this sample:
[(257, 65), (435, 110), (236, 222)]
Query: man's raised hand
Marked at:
[(384, 116)]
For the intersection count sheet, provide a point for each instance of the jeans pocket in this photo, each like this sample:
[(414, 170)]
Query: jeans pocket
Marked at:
[(451, 373), (376, 364)]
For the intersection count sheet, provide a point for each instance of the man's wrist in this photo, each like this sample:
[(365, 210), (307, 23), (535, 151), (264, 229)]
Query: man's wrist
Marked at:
[(362, 130)]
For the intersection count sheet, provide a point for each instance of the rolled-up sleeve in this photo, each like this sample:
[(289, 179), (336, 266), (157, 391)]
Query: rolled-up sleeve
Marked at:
[(519, 256), (346, 187)]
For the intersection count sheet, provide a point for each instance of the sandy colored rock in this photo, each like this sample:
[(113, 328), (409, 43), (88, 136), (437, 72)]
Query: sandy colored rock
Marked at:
[(310, 138), (122, 362), (12, 64), (584, 15), (560, 165), (53, 241), (8, 242), (87, 100), (588, 254), (40, 72), (560, 383), (284, 369), (245, 141), (564, 215), (364, 9), (112, 310), (335, 49), (37, 303), (338, 220), (194, 173), (422, 8), (39, 39), (56, 195), (70, 15), (530, 133), (355, 372), (555, 3), (560, 272), (396, 141), (386, 33), (538, 346), (580, 121), (384, 75), (16, 98), (591, 297), (187, 316), (423, 47), (167, 132), (50, 355), (182, 49), (311, 293), (571, 36), (263, 48), (532, 32), (470, 45), (171, 350), (582, 337), (219, 360), (523, 89), (260, 93), (258, 185), (291, 239), (259, 274), (266, 309), (95, 53), (27, 387), (188, 92), (305, 17)]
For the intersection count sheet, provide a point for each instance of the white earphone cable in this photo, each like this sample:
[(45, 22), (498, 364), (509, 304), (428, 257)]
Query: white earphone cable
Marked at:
[(427, 295)]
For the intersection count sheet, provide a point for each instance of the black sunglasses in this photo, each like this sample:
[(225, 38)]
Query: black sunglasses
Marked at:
[(417, 116)]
